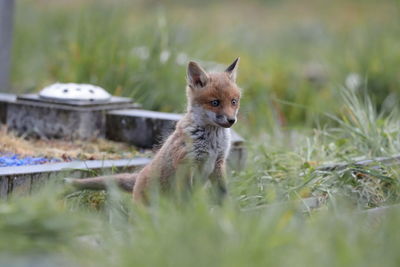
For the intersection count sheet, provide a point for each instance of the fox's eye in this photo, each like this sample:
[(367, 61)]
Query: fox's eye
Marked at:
[(234, 102), (215, 103)]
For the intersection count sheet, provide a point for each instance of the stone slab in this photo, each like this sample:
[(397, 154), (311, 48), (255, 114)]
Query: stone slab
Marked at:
[(4, 97), (141, 128), (113, 101), (51, 120), (147, 114), (22, 180)]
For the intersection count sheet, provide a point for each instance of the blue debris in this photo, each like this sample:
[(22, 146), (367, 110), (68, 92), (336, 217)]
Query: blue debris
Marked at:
[(8, 160)]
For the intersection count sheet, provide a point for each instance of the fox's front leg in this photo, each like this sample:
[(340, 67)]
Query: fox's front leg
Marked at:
[(218, 177)]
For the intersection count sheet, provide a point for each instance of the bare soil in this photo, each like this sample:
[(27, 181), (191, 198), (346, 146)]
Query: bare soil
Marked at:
[(96, 149)]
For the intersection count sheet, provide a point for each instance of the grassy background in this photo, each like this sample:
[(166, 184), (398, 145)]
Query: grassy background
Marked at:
[(320, 82), (295, 56)]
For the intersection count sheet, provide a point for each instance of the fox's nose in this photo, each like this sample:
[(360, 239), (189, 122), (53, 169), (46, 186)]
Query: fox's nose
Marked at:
[(231, 121)]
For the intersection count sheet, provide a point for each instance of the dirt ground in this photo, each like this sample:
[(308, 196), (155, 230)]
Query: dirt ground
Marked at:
[(96, 149)]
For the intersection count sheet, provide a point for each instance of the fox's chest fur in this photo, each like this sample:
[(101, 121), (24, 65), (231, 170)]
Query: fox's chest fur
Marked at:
[(198, 146), (208, 145)]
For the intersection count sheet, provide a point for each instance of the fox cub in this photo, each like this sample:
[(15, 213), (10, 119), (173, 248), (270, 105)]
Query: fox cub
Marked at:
[(198, 147)]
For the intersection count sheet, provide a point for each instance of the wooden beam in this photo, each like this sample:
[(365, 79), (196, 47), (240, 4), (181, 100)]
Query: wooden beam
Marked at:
[(392, 160)]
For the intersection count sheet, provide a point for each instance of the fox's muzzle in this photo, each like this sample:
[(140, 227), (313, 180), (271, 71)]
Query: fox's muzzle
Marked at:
[(225, 121)]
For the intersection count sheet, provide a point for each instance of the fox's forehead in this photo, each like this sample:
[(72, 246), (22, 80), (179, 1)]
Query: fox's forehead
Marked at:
[(220, 86)]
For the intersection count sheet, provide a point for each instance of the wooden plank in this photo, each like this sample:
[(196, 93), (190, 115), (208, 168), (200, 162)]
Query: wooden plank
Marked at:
[(4, 187), (21, 180), (21, 185), (388, 161)]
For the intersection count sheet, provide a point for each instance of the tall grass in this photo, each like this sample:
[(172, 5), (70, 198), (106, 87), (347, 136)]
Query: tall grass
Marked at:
[(286, 166), (54, 226), (194, 233)]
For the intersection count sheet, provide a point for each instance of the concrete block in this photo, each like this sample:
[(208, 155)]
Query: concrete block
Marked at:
[(142, 128), (5, 99), (31, 116)]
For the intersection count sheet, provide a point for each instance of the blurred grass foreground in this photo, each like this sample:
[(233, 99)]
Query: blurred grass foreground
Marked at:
[(321, 85)]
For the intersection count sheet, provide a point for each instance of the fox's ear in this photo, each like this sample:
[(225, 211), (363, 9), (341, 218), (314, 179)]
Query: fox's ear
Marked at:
[(196, 76), (232, 69)]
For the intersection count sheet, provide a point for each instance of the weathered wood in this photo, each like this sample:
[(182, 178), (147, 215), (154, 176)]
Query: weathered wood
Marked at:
[(4, 181), (304, 204), (21, 185), (6, 28), (21, 180), (392, 160)]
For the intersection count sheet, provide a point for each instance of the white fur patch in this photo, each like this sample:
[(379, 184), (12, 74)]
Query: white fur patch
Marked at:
[(210, 143)]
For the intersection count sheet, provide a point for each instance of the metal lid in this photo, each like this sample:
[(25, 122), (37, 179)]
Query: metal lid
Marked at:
[(75, 92)]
